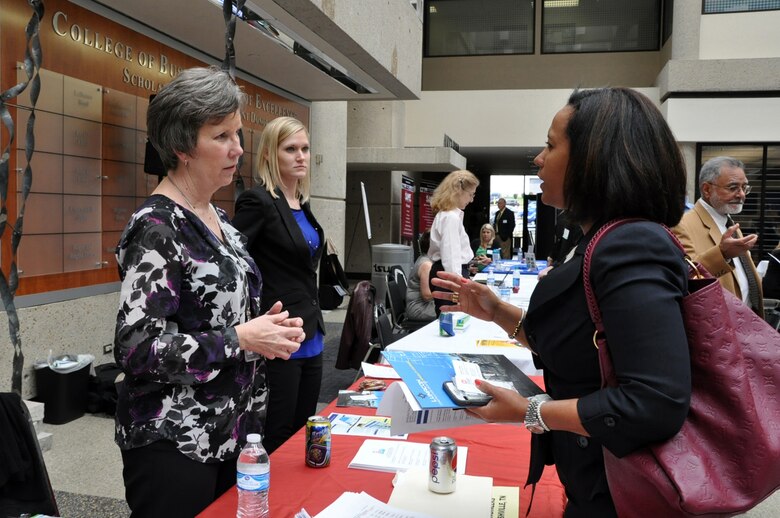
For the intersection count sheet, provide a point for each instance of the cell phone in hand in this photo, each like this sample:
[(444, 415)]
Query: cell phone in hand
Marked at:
[(465, 398)]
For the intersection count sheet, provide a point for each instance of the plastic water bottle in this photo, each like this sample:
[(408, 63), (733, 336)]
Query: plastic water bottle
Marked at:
[(491, 276), (496, 257), (516, 281), (253, 479)]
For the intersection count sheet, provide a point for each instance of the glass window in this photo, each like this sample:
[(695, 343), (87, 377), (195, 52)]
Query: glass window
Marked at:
[(738, 6), (478, 27), (761, 213), (668, 20), (607, 26)]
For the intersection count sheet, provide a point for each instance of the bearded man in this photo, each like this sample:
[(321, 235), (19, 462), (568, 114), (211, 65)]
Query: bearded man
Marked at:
[(711, 237)]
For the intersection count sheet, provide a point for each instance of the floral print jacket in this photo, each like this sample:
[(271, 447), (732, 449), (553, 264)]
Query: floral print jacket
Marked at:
[(183, 293)]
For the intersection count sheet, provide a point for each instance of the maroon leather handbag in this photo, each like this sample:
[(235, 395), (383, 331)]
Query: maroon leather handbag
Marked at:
[(726, 457)]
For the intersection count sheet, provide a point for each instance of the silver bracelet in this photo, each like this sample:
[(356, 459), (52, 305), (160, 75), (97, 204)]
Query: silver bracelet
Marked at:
[(539, 415)]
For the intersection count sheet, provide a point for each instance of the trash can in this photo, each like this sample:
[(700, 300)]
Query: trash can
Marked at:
[(384, 257), (61, 385)]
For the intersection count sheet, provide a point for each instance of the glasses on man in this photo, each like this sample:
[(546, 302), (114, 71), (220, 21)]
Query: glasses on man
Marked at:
[(734, 188)]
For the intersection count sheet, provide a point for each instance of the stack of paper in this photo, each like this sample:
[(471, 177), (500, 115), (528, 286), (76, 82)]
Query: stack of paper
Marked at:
[(391, 456), (363, 505), (472, 496)]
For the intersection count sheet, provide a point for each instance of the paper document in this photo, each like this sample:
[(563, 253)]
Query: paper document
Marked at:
[(506, 502), (425, 373), (391, 456), (406, 416), (363, 505), (471, 498), (366, 398), (370, 426), (372, 370)]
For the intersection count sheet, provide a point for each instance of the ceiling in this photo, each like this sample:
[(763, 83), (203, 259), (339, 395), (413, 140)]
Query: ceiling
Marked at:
[(260, 57), (263, 60), (500, 160)]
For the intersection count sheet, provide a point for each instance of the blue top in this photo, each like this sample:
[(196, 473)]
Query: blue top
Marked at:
[(311, 346)]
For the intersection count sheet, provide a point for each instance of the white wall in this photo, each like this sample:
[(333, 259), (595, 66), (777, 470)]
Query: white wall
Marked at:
[(490, 118), (740, 35), (724, 120)]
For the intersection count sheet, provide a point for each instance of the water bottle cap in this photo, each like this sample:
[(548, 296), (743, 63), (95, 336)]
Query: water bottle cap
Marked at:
[(254, 437)]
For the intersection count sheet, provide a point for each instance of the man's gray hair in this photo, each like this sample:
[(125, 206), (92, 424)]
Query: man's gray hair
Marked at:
[(196, 96), (710, 171)]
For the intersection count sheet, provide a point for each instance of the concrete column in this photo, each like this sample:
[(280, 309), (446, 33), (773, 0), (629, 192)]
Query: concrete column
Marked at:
[(329, 169), (685, 32), (373, 124)]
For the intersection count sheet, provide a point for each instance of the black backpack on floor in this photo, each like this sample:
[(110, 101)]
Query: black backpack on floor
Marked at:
[(101, 389)]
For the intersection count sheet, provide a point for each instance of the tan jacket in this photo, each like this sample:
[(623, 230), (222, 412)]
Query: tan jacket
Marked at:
[(700, 236)]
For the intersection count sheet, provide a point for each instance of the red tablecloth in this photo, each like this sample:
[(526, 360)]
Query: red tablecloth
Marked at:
[(500, 451)]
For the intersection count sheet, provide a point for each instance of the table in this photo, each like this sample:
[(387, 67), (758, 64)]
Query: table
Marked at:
[(428, 338), (500, 451)]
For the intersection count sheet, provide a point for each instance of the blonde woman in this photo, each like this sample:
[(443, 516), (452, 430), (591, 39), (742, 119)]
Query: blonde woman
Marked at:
[(286, 242), (483, 247), (450, 248)]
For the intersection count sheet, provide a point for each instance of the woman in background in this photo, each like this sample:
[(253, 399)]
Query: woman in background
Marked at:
[(189, 312), (286, 242), (484, 246), (450, 249), (419, 299)]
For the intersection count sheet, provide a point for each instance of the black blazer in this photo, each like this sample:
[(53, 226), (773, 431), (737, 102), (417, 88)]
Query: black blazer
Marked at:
[(504, 225), (639, 278), (772, 278), (277, 245)]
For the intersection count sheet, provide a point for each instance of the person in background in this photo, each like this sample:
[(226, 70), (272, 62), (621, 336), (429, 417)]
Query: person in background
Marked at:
[(189, 311), (567, 235), (286, 242), (504, 224), (609, 154), (419, 299), (771, 281), (450, 249), (483, 247), (711, 237)]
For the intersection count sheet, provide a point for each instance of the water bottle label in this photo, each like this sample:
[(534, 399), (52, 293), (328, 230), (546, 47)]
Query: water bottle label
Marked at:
[(253, 482)]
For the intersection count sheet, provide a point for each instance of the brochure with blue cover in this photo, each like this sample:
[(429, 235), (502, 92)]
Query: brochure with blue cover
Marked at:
[(426, 372)]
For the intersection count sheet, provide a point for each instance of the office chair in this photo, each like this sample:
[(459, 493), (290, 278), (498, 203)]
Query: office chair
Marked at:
[(24, 482), (397, 298), (385, 335)]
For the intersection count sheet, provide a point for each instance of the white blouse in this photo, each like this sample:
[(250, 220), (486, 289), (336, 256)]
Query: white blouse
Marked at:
[(449, 241)]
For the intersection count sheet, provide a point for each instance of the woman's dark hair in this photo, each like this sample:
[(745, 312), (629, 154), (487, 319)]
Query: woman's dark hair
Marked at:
[(623, 161)]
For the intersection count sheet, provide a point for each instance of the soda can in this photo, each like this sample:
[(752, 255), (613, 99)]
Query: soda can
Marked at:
[(318, 442), (443, 466), (446, 325)]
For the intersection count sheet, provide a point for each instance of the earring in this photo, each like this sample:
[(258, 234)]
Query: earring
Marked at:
[(186, 163)]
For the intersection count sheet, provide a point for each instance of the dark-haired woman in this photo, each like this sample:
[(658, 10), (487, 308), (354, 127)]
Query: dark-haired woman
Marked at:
[(609, 155)]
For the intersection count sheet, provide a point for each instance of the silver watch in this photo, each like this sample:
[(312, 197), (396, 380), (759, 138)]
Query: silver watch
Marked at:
[(533, 416)]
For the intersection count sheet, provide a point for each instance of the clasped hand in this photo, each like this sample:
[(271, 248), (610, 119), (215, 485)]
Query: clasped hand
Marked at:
[(274, 335)]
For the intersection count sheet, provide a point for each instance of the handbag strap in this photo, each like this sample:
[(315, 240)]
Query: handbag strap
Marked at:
[(608, 377)]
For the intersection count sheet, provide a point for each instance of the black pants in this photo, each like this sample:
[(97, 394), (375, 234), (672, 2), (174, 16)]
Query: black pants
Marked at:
[(438, 267), (294, 388), (162, 481)]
